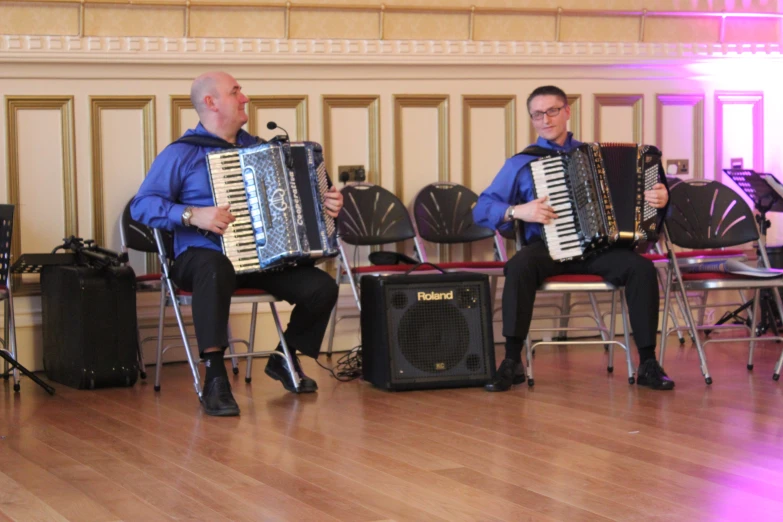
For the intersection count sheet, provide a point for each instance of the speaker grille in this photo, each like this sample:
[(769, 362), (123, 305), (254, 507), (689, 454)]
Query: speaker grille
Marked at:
[(439, 331), (433, 337)]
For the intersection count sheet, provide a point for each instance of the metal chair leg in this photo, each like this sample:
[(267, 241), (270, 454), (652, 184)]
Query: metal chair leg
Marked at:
[(626, 334), (753, 326), (529, 360), (161, 319), (600, 322), (286, 353), (251, 342)]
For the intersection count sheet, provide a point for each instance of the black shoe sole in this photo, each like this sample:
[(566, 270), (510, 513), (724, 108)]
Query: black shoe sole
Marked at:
[(285, 383), (221, 413), (654, 387)]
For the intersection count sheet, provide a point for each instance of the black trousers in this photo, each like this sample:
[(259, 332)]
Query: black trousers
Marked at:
[(210, 276), (526, 271)]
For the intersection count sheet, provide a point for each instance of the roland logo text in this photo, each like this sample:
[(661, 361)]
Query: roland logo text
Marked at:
[(435, 296)]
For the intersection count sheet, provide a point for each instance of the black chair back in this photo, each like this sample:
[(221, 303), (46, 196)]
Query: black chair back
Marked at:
[(6, 230), (444, 214), (707, 214), (372, 215), (138, 236)]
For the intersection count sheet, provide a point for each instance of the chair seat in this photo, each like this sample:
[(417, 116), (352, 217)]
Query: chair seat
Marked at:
[(472, 265), (722, 280), (576, 283), (375, 269), (148, 278)]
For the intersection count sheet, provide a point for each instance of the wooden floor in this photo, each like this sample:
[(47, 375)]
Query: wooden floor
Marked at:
[(580, 445)]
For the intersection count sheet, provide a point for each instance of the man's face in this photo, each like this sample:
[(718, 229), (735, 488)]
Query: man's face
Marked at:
[(552, 128), (230, 102)]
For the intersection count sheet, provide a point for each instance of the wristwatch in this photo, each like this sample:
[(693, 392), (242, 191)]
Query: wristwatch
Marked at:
[(186, 215), (510, 213)]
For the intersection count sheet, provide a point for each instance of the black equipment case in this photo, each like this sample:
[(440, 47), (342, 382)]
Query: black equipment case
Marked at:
[(90, 338)]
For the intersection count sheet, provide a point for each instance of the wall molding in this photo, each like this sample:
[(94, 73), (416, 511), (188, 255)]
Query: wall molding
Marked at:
[(634, 101), (689, 100), (756, 100), (132, 49)]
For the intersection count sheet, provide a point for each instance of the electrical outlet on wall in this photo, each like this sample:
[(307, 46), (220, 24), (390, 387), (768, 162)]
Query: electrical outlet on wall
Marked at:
[(351, 173), (677, 167)]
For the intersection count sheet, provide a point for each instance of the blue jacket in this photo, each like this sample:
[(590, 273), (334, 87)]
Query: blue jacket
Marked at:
[(178, 179), (513, 185)]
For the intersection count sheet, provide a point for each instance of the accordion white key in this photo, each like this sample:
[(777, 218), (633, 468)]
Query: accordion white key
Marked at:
[(276, 192)]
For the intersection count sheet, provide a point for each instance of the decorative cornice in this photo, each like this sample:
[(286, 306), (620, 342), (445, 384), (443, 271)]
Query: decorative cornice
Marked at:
[(17, 48)]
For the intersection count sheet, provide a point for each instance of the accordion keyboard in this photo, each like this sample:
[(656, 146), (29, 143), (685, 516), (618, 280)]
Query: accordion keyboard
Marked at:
[(229, 188), (550, 178)]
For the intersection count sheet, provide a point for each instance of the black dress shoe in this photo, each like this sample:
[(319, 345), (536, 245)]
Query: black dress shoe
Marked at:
[(651, 374), (508, 374), (277, 368), (217, 400)]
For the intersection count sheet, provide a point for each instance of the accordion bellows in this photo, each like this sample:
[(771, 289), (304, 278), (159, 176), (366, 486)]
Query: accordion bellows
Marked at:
[(276, 192), (597, 191)]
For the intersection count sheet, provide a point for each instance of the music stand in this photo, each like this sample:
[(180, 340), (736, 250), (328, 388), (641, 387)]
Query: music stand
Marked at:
[(766, 192), (8, 350)]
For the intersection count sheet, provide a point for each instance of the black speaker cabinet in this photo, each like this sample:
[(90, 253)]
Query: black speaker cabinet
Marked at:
[(427, 331)]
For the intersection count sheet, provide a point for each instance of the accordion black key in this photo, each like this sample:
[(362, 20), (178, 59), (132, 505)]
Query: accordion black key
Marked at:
[(597, 191), (276, 192)]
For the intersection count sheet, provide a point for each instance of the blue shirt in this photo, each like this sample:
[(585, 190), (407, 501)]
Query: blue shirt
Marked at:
[(513, 185), (178, 179)]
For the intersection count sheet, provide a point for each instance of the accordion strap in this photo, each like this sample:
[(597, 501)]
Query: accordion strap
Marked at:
[(210, 141), (537, 151)]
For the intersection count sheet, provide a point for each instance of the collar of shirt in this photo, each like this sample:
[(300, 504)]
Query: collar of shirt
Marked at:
[(569, 144), (243, 138)]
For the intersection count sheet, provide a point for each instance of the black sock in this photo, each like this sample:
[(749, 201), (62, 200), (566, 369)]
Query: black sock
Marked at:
[(514, 349), (647, 353), (213, 361)]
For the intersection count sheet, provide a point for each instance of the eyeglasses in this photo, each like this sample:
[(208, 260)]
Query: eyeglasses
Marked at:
[(554, 111)]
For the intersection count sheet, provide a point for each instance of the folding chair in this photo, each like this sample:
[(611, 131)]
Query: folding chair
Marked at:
[(443, 215), (176, 298), (708, 215), (571, 283), (371, 216), (8, 342)]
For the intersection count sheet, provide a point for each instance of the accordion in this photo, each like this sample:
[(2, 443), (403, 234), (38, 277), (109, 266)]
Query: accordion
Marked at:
[(276, 192), (597, 191)]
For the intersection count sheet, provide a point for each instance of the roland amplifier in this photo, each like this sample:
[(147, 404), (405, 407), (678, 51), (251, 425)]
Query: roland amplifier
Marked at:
[(427, 331)]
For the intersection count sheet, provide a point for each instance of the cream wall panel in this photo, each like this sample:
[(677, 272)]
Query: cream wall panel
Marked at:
[(739, 130), (289, 112), (680, 130), (666, 29), (421, 150), (134, 21), (334, 24), (123, 147), (39, 19), (41, 181), (596, 29), (123, 170), (750, 30), (41, 194), (425, 26), (231, 22), (183, 115), (530, 28), (488, 140), (351, 134), (618, 118)]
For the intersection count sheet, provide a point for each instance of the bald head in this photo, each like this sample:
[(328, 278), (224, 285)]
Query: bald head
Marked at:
[(203, 86), (220, 103)]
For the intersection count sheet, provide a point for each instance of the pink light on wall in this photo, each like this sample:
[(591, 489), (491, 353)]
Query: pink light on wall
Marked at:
[(739, 130)]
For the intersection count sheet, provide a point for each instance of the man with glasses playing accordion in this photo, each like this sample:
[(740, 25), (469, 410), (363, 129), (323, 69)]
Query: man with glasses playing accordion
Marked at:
[(176, 195), (511, 198)]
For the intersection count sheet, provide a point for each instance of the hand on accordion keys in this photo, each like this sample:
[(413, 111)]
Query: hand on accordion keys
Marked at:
[(333, 201), (212, 219), (536, 211), (657, 196)]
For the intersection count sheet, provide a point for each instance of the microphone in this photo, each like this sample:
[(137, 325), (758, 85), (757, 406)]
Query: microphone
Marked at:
[(272, 126), (289, 160)]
